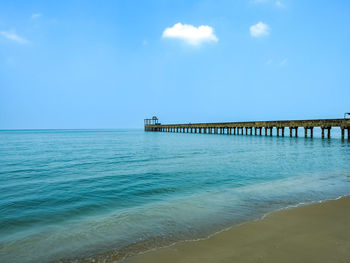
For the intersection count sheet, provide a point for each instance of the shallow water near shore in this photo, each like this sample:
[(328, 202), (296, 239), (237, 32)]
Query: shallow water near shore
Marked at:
[(84, 194)]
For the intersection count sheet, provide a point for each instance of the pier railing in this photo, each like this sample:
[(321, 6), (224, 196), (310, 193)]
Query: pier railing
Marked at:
[(256, 127)]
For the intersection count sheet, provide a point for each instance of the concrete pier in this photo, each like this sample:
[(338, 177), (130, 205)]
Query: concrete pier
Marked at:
[(241, 128)]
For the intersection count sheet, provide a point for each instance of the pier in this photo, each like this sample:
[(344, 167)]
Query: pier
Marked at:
[(255, 127)]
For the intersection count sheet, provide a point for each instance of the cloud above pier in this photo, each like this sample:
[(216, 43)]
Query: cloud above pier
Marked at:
[(259, 30), (13, 37), (190, 34), (36, 15)]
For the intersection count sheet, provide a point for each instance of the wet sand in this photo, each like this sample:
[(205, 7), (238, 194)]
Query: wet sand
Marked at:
[(313, 233)]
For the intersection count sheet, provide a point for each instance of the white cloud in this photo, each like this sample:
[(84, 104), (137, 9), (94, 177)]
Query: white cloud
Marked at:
[(191, 34), (284, 62), (37, 15), (259, 30), (279, 4), (14, 37)]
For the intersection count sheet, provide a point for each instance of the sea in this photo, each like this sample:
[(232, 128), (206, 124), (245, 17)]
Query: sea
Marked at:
[(104, 195)]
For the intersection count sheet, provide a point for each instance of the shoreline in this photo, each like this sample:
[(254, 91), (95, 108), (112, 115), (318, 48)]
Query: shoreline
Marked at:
[(287, 235), (134, 250)]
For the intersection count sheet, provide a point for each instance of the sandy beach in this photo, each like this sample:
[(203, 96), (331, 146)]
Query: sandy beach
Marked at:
[(318, 232)]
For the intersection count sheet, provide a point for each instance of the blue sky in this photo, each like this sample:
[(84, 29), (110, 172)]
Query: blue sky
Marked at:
[(110, 64)]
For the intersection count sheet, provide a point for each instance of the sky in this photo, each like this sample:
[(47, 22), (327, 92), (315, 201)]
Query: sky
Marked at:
[(110, 64)]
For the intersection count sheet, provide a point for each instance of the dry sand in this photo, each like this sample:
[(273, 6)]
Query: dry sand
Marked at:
[(314, 233)]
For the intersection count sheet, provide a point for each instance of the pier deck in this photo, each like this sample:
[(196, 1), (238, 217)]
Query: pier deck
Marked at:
[(254, 127)]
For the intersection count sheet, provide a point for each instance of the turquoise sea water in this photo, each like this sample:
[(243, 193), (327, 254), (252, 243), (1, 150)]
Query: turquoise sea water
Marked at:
[(97, 194)]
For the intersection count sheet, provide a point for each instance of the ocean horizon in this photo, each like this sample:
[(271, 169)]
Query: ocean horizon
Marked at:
[(90, 194)]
